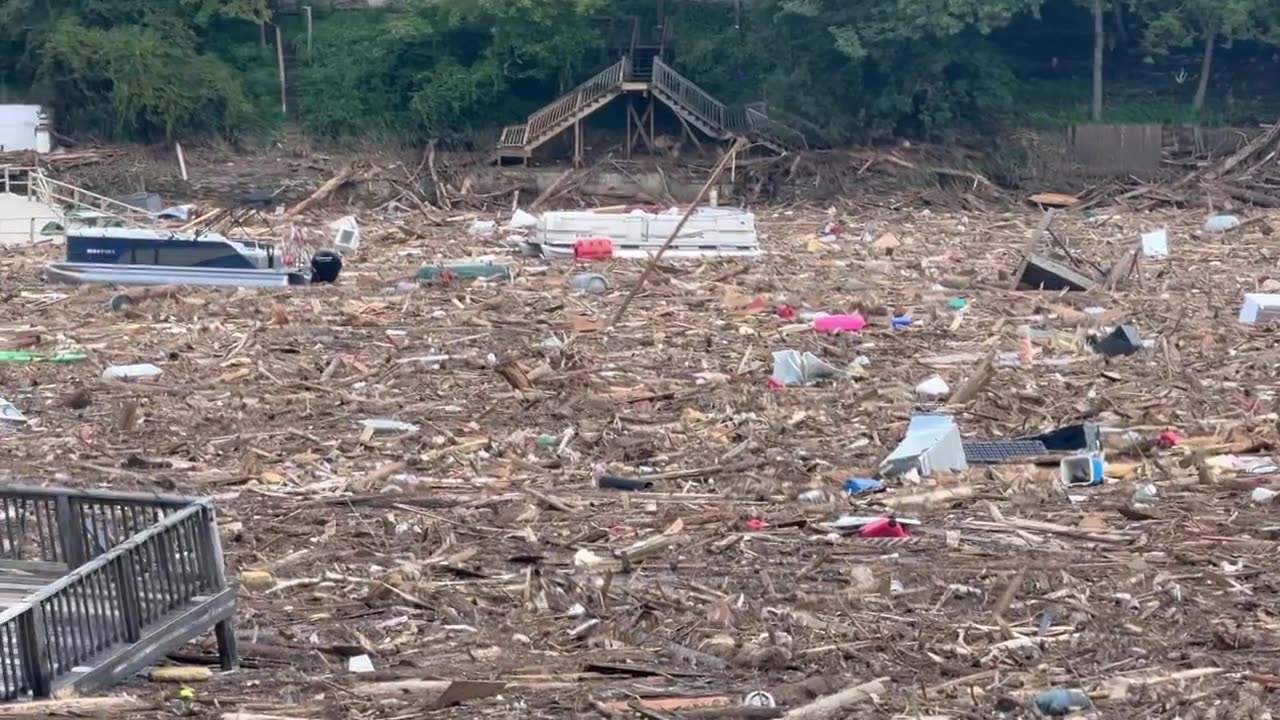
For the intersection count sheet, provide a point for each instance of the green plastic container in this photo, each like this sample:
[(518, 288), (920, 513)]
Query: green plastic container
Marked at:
[(465, 272)]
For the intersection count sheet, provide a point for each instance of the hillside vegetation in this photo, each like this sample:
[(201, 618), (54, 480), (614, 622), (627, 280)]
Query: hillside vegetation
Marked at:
[(848, 71)]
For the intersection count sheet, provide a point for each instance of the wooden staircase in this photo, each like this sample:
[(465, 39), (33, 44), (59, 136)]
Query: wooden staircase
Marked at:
[(521, 140), (643, 71), (716, 119)]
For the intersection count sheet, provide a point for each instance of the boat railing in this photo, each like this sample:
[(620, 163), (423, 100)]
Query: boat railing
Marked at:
[(63, 196)]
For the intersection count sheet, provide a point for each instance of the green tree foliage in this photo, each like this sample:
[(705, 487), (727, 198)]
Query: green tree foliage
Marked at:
[(442, 68), (1172, 24), (864, 29), (130, 68), (860, 71), (202, 12), (154, 84), (845, 70)]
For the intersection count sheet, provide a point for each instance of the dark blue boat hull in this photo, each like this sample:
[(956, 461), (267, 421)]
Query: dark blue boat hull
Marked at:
[(174, 252)]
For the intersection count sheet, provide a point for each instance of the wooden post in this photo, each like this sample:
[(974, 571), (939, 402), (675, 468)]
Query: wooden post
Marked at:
[(652, 135), (577, 143), (630, 140), (284, 102), (224, 631), (130, 611), (687, 131), (182, 161), (33, 652), (70, 533)]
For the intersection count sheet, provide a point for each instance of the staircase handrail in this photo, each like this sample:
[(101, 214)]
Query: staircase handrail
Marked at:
[(550, 117), (761, 123), (688, 94)]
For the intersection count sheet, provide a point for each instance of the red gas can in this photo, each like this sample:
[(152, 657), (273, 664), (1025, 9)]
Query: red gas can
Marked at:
[(594, 248)]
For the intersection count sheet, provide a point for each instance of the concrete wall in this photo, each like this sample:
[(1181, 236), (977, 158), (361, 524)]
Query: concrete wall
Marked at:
[(637, 186)]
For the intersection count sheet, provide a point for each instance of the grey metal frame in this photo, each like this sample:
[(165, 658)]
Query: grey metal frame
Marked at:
[(137, 576)]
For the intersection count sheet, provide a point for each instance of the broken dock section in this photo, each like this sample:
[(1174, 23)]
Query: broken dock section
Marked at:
[(96, 585)]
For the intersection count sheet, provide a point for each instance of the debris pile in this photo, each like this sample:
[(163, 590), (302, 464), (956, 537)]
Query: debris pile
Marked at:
[(848, 478)]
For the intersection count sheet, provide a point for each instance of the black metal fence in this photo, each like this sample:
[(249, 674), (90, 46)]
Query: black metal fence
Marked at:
[(129, 566)]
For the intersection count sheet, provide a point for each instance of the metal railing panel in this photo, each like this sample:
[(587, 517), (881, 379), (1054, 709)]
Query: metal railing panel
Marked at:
[(143, 560), (56, 193), (30, 529)]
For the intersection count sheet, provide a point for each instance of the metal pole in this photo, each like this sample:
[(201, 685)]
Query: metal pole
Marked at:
[(284, 102), (307, 8)]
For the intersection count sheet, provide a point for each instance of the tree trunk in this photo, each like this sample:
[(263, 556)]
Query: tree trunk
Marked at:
[(1099, 37), (1206, 67), (1117, 15)]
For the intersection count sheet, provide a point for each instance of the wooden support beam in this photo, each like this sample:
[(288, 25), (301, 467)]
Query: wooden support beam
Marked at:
[(640, 125), (631, 110), (688, 131), (652, 133), (577, 144)]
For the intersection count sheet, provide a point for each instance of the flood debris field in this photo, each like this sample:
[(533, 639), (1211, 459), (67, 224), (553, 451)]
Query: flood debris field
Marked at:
[(379, 569)]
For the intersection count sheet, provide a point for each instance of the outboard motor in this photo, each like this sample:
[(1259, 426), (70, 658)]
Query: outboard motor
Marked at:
[(325, 266)]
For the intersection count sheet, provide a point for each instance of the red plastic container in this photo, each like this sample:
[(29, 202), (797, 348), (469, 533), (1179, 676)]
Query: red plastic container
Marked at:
[(596, 248)]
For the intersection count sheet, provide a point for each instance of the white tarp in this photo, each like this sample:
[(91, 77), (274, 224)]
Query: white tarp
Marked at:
[(22, 127)]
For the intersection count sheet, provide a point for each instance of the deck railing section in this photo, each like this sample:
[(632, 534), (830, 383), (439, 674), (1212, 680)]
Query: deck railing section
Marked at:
[(135, 561)]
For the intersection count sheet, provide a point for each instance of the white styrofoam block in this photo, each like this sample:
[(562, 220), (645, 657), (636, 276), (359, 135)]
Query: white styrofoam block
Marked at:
[(1259, 308), (1155, 244)]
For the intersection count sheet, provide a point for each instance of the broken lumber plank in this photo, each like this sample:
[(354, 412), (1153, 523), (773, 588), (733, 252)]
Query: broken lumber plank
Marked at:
[(322, 194), (837, 705), (90, 706)]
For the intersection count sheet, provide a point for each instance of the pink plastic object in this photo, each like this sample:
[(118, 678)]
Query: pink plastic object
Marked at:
[(1168, 439), (883, 528), (839, 323)]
